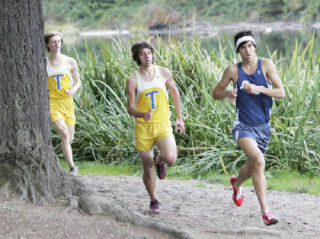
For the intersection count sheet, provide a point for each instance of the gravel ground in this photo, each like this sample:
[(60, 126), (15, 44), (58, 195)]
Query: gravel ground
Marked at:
[(202, 210)]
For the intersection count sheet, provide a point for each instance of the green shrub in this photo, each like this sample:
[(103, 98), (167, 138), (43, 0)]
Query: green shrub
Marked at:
[(104, 130)]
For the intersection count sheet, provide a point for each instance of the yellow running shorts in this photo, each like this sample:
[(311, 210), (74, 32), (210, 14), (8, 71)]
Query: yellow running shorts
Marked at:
[(63, 110), (147, 133)]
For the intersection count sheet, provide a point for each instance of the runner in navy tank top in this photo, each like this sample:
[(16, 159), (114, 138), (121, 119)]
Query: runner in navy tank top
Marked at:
[(255, 82), (252, 109)]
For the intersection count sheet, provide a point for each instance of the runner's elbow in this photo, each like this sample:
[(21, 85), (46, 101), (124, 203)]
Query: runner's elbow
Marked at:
[(282, 95), (215, 95)]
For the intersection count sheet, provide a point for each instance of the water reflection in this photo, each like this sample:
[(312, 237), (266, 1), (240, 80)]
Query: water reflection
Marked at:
[(282, 42)]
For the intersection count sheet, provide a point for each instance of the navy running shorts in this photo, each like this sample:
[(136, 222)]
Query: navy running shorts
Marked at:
[(261, 134)]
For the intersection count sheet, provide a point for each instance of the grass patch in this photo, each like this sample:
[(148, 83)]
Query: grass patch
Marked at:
[(277, 180), (102, 169), (293, 182), (200, 185)]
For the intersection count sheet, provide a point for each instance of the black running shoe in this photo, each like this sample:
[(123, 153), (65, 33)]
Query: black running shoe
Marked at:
[(154, 206), (161, 170)]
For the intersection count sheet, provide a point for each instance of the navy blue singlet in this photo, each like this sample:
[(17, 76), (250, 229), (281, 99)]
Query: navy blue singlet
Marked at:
[(252, 109)]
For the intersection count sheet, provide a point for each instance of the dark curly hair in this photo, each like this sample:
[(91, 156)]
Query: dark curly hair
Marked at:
[(136, 49)]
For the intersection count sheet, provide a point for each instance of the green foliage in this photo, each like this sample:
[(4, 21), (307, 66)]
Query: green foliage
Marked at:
[(130, 14), (92, 13), (104, 130), (305, 11)]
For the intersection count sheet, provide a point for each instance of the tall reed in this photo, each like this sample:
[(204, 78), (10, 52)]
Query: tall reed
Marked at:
[(104, 130)]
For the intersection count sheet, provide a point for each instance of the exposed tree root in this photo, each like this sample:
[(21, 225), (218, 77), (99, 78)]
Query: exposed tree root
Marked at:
[(44, 184), (249, 231)]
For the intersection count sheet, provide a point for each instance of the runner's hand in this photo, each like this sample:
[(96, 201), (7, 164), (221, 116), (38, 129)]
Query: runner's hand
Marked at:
[(232, 95), (251, 89), (147, 115), (179, 123), (70, 93)]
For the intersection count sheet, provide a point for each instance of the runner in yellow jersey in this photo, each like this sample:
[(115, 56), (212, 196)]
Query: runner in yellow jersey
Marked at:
[(147, 101), (63, 82)]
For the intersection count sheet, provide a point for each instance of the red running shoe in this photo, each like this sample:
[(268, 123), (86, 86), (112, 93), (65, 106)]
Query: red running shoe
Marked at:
[(237, 194), (154, 206), (269, 219)]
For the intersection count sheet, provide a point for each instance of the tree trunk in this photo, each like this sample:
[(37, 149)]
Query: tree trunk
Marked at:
[(27, 160)]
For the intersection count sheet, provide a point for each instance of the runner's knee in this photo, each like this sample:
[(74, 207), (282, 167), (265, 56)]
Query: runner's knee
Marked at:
[(259, 163), (148, 164), (65, 137), (71, 139), (170, 158), (148, 172)]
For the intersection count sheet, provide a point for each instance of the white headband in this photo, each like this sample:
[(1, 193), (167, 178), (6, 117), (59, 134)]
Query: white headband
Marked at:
[(243, 39)]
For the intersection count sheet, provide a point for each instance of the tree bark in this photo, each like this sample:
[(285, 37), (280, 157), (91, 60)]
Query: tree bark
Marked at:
[(27, 160), (28, 164)]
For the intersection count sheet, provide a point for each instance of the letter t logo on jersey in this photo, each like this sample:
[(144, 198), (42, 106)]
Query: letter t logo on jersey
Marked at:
[(58, 80), (153, 100)]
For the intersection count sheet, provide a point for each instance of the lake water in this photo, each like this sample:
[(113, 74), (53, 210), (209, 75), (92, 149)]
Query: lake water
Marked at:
[(281, 41)]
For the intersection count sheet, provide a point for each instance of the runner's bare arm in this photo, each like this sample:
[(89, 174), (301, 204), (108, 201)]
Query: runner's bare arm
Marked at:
[(131, 97), (75, 75), (272, 75), (229, 75), (174, 92)]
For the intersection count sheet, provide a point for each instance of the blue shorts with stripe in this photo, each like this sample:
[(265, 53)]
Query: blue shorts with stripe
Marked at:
[(261, 134)]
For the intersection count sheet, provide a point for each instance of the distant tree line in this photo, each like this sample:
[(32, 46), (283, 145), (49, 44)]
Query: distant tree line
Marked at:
[(143, 13)]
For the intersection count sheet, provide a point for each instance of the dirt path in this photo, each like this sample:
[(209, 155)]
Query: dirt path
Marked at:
[(21, 220), (201, 209), (206, 210)]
